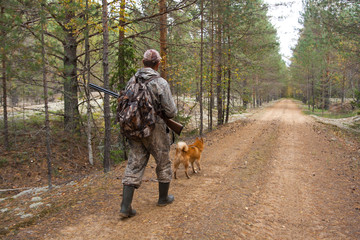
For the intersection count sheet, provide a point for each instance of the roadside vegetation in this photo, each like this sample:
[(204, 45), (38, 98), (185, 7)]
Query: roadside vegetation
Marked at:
[(217, 65)]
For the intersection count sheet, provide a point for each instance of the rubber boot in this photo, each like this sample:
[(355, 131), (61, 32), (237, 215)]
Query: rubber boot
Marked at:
[(164, 198), (126, 210)]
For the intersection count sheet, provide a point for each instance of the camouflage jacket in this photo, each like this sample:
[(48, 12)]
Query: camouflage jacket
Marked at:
[(162, 98)]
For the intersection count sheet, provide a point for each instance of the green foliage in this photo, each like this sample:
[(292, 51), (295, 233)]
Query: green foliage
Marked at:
[(3, 162), (36, 120), (326, 114), (125, 66), (356, 102), (21, 157), (192, 133), (124, 69), (181, 118), (117, 155)]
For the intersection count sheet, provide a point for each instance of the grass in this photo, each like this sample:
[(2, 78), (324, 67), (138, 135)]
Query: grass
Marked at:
[(355, 126), (37, 217), (327, 114)]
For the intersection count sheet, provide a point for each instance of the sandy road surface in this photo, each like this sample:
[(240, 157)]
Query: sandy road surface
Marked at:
[(279, 175)]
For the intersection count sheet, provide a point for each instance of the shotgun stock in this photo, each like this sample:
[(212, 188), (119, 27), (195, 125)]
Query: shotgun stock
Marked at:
[(175, 126)]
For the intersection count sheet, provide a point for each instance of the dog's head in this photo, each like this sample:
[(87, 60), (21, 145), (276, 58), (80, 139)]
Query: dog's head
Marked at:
[(199, 143)]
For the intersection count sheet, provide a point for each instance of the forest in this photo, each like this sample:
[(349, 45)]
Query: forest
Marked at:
[(219, 57), (325, 62)]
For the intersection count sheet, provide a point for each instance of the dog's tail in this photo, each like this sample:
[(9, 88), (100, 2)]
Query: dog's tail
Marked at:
[(182, 147)]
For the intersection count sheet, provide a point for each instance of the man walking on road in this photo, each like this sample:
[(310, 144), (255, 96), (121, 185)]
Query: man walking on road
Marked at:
[(157, 144)]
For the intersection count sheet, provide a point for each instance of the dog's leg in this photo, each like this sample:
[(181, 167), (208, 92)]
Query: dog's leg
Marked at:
[(176, 166), (192, 165), (186, 165), (198, 164)]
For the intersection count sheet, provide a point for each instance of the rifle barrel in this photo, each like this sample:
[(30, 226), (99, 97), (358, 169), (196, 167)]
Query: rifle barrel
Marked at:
[(96, 87)]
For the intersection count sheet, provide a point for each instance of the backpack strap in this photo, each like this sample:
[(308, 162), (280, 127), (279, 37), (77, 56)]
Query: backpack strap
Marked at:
[(147, 81), (157, 109)]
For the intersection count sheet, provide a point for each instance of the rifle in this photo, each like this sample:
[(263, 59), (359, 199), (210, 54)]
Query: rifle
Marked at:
[(175, 126)]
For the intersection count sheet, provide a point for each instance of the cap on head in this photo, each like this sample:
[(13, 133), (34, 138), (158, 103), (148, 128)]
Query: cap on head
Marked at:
[(152, 55)]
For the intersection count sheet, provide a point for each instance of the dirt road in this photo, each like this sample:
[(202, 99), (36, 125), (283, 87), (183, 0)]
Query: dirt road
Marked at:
[(279, 175)]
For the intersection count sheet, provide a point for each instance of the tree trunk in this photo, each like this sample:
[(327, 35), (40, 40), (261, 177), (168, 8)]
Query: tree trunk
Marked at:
[(325, 91), (71, 110), (211, 90), (87, 90), (163, 38), (254, 97), (121, 59), (6, 122), (106, 86), (6, 126), (257, 95), (308, 91), (47, 122), (229, 81), (201, 66), (245, 94), (327, 85), (219, 68), (343, 87), (313, 93)]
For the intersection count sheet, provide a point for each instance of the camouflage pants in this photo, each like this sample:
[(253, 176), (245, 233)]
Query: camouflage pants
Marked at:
[(158, 145)]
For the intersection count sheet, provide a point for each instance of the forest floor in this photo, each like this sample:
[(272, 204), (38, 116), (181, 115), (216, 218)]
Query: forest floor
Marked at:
[(278, 174)]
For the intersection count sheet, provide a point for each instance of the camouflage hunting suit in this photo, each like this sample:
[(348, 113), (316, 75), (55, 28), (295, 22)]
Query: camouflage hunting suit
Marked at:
[(158, 143)]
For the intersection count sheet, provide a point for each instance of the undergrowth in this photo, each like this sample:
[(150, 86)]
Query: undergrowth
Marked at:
[(328, 114)]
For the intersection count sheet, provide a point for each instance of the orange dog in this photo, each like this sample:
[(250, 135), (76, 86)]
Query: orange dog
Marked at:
[(186, 154)]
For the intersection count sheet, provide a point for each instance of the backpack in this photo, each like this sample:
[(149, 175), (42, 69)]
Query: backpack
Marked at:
[(135, 111)]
